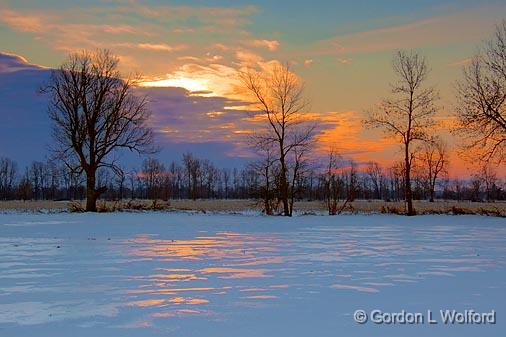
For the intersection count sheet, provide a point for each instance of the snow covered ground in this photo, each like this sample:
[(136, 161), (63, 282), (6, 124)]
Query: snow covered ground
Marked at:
[(176, 274)]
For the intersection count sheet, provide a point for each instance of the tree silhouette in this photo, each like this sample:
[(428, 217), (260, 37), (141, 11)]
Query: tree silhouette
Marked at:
[(482, 101), (408, 114), (94, 113)]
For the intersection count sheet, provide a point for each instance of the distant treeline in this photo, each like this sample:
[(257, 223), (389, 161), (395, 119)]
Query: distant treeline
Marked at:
[(195, 178)]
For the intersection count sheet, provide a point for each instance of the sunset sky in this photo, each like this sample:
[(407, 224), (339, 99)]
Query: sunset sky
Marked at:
[(341, 49)]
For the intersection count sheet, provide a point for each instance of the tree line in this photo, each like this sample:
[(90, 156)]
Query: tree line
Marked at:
[(407, 116), (334, 183), (95, 113)]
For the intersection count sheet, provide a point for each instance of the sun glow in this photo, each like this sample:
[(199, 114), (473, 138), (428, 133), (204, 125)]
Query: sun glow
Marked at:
[(190, 84), (208, 81)]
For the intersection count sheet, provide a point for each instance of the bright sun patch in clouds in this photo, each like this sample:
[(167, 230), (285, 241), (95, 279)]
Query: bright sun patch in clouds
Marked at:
[(191, 56), (190, 84), (205, 80)]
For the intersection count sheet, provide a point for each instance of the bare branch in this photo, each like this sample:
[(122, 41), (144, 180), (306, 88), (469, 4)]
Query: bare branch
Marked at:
[(95, 113), (409, 114), (481, 110)]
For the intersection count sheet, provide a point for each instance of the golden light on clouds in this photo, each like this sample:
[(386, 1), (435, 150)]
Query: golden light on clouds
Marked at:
[(346, 135), (190, 84), (203, 49), (271, 45), (204, 80)]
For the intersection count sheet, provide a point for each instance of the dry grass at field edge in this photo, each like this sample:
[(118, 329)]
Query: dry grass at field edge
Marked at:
[(236, 206)]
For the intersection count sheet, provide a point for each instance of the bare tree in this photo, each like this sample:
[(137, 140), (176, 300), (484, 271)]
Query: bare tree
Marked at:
[(265, 168), (376, 178), (94, 112), (120, 182), (193, 170), (396, 176), (408, 115), (176, 174), (488, 177), (278, 93), (482, 100), (25, 187), (209, 178), (152, 175), (299, 168), (434, 162), (132, 179), (332, 181), (8, 172), (350, 175), (226, 180), (54, 179), (37, 174)]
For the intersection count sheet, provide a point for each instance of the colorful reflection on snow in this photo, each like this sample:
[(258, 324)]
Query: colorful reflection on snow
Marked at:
[(201, 274), (189, 276)]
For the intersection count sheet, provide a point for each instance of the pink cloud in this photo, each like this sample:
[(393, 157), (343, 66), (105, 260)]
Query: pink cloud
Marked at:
[(462, 62), (271, 45), (344, 61), (160, 47), (32, 23), (247, 57), (119, 29), (12, 62)]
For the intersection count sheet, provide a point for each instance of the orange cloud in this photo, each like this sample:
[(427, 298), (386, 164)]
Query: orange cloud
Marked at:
[(346, 134), (246, 57), (308, 62), (162, 47), (119, 29), (159, 47), (271, 45), (32, 23), (212, 80), (344, 60), (77, 28)]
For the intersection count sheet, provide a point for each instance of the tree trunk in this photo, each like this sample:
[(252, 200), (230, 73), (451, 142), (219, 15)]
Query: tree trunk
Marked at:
[(431, 194), (91, 195), (284, 192), (267, 202), (283, 183), (291, 203), (407, 183)]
